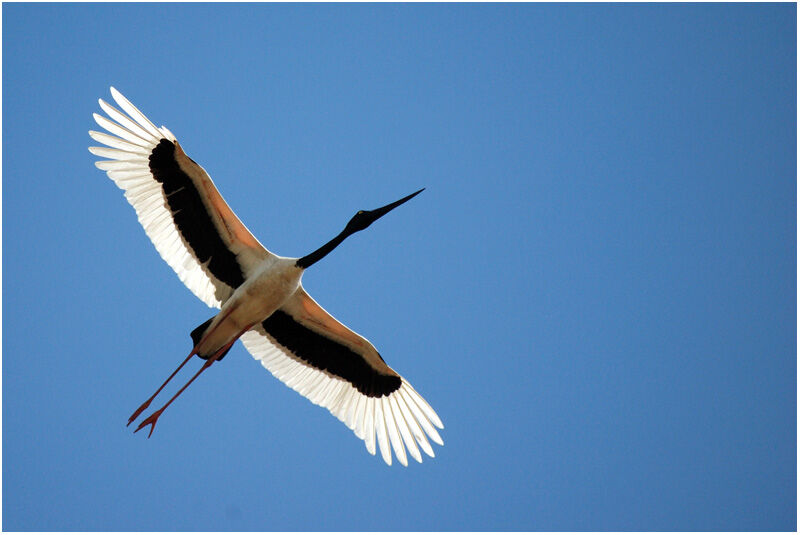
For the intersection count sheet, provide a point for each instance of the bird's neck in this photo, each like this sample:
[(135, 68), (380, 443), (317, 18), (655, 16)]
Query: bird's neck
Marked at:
[(320, 253)]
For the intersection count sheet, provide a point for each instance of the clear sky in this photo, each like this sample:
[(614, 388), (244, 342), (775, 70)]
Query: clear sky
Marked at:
[(596, 291)]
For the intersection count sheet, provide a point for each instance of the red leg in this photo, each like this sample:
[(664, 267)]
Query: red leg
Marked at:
[(194, 352), (153, 418), (147, 403)]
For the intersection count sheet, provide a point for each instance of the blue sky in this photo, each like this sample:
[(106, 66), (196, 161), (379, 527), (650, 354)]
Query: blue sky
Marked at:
[(596, 291)]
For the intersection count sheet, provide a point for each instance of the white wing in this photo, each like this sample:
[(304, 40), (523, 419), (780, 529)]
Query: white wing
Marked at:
[(176, 202), (306, 348)]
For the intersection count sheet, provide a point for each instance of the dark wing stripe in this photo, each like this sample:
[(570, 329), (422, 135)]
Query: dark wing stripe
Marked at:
[(191, 216), (329, 356), (399, 420)]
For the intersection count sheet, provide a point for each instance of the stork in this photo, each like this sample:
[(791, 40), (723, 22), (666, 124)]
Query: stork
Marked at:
[(259, 294)]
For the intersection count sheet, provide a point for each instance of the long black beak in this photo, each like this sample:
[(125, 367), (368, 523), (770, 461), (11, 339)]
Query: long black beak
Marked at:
[(379, 212)]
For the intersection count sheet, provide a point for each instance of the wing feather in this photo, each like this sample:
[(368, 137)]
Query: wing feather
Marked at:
[(119, 131), (124, 120), (394, 436), (118, 143), (380, 426), (402, 426), (392, 418), (369, 423)]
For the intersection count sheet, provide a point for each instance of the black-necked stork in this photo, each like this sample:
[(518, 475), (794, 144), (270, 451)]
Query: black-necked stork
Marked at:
[(259, 294)]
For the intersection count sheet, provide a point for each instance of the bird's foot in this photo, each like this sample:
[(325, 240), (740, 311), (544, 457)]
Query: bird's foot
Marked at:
[(139, 411), (151, 421)]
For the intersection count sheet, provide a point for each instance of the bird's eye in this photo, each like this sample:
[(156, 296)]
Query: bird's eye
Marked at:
[(360, 212)]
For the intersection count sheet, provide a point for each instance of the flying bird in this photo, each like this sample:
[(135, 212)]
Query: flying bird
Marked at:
[(259, 294)]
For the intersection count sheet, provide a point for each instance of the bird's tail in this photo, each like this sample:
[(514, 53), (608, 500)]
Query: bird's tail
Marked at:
[(197, 336)]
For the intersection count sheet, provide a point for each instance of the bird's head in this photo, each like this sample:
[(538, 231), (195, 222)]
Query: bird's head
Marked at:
[(360, 221), (365, 218)]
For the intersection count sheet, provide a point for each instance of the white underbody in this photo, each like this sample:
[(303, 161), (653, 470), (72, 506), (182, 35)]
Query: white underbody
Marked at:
[(273, 282)]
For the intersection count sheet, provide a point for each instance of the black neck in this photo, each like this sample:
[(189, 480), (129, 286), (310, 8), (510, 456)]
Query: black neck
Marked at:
[(360, 221), (320, 253)]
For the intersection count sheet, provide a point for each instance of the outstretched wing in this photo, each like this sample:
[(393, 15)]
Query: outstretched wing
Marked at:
[(181, 211), (306, 348)]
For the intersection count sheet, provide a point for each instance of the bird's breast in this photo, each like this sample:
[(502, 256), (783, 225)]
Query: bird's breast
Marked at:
[(254, 301), (267, 290)]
